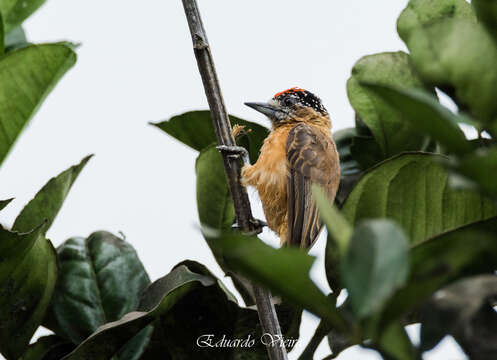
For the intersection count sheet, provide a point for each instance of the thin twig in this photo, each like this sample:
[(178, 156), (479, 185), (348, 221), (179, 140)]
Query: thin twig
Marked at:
[(265, 307)]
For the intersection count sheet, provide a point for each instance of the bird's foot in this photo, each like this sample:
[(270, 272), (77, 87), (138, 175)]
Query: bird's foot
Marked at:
[(256, 224), (235, 152)]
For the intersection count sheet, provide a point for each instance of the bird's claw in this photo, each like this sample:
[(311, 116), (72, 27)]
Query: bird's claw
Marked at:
[(235, 152), (257, 226)]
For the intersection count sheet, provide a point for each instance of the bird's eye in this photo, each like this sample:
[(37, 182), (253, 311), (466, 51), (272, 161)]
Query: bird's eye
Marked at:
[(289, 101)]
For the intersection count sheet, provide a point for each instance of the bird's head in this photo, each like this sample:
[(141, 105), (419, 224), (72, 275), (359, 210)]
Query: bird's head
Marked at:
[(292, 106)]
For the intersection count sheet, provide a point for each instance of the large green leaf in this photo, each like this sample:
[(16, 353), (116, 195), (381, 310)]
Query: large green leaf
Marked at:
[(51, 347), (15, 12), (413, 190), (195, 129), (486, 10), (285, 271), (449, 49), (101, 279), (29, 275), (375, 265), (426, 115), (26, 78), (189, 302), (436, 262), (388, 126)]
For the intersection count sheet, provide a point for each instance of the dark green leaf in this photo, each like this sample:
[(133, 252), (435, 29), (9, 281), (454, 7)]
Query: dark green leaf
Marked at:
[(434, 263), (196, 130), (16, 11), (2, 36), (426, 115), (375, 265), (48, 201), (101, 279), (413, 190), (486, 10), (366, 151), (29, 276), (158, 299), (449, 49), (26, 78), (28, 273), (50, 347), (388, 126), (274, 268), (4, 203)]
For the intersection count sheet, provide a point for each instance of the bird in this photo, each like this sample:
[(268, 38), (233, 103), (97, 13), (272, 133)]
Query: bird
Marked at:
[(298, 152)]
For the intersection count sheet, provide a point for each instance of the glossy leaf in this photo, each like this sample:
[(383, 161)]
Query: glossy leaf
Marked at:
[(426, 115), (15, 12), (376, 264), (388, 126), (101, 279), (28, 277), (188, 301), (449, 49), (435, 262), (49, 347), (196, 130), (273, 267), (413, 190), (26, 78)]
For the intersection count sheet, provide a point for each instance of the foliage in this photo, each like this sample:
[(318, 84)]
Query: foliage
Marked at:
[(412, 237)]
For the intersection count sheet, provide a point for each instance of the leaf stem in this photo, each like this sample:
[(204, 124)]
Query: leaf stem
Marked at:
[(265, 306)]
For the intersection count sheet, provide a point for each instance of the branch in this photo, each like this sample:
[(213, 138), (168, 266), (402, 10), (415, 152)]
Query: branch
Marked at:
[(265, 307)]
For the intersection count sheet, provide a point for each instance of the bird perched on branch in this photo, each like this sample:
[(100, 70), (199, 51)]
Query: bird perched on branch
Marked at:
[(297, 153)]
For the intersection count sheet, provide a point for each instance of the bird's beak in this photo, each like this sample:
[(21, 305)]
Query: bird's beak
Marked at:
[(269, 110)]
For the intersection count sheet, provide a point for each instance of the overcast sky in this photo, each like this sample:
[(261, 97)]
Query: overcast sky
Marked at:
[(136, 65)]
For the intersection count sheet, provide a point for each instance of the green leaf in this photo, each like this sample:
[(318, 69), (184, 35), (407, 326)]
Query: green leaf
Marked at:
[(26, 78), (426, 115), (388, 126), (28, 273), (477, 166), (486, 10), (450, 50), (101, 279), (196, 130), (214, 202), (189, 302), (15, 39), (412, 189), (274, 268), (2, 36), (436, 262), (48, 201), (375, 265), (394, 343), (28, 277), (4, 203), (50, 347), (16, 11)]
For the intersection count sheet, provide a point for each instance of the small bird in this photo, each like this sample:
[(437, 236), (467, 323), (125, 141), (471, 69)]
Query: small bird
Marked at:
[(298, 152)]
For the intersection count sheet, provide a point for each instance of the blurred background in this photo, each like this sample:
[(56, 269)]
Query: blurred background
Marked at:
[(135, 66)]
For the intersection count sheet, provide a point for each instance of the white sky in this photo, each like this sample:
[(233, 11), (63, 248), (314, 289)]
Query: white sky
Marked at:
[(136, 65)]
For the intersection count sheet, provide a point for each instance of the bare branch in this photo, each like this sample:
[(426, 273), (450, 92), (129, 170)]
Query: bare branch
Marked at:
[(265, 306)]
